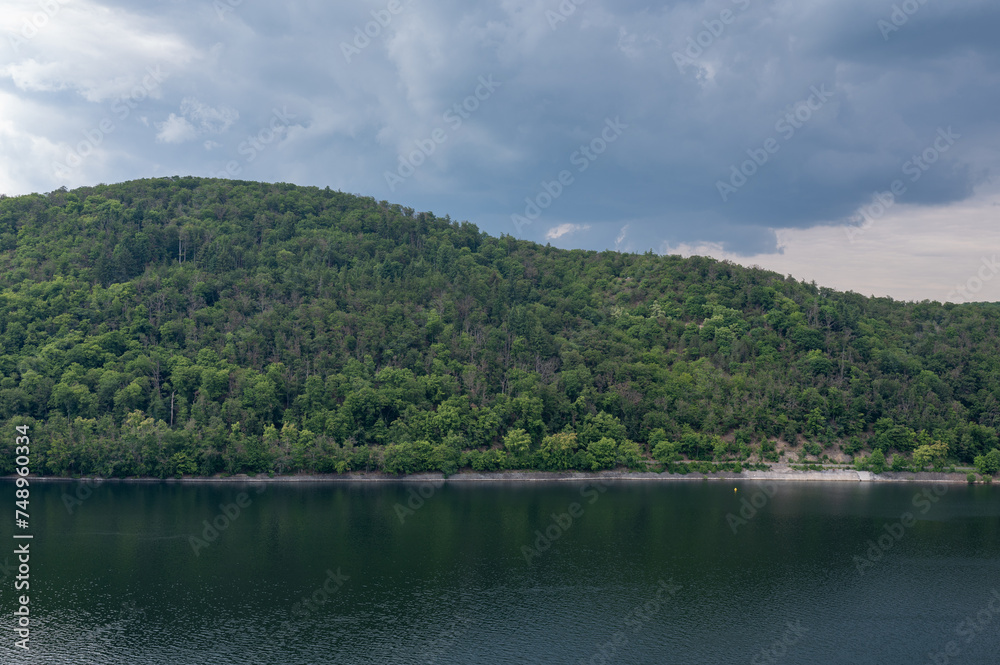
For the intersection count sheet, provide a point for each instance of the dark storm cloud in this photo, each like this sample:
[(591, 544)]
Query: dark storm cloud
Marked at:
[(732, 118)]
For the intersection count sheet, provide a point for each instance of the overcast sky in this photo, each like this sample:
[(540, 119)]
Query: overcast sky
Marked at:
[(851, 142)]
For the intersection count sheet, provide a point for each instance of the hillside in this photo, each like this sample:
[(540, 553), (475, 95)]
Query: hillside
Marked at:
[(194, 326)]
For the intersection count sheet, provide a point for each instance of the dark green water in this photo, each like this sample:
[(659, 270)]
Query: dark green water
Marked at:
[(649, 572)]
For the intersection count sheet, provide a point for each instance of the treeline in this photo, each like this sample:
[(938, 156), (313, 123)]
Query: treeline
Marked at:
[(193, 326)]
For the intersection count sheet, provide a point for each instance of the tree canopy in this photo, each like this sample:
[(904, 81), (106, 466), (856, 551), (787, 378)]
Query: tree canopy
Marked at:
[(196, 326)]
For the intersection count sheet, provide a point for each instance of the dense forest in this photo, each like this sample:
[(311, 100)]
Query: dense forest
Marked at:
[(181, 326)]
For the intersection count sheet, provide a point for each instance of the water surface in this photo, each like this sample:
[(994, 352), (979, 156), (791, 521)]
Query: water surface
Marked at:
[(647, 572)]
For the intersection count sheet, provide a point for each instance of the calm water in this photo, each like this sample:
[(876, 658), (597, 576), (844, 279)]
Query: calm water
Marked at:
[(646, 573)]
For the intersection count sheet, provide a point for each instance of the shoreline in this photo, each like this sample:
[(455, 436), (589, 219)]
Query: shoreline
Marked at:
[(784, 474)]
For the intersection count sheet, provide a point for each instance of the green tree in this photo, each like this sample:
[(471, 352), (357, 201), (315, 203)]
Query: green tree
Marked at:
[(934, 453), (603, 453), (666, 452), (988, 464), (630, 455), (815, 422), (876, 463), (220, 308), (517, 442), (603, 425), (556, 451)]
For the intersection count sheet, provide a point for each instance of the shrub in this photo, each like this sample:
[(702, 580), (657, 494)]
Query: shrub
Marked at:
[(876, 463), (899, 463), (666, 452), (630, 455), (603, 453), (988, 464), (852, 446)]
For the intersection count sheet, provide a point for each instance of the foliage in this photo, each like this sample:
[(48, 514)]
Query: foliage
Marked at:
[(876, 463), (899, 463), (666, 452), (931, 453), (182, 326), (988, 464), (557, 451), (603, 454)]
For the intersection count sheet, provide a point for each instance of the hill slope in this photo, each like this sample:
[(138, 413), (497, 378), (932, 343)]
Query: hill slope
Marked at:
[(187, 325)]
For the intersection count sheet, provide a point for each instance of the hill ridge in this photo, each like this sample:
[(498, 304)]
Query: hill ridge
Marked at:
[(195, 326)]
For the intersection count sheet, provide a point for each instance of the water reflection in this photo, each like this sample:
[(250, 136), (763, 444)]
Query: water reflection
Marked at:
[(644, 573)]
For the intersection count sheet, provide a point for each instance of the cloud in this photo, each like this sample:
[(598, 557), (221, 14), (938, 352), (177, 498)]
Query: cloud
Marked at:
[(175, 129), (942, 253), (207, 119), (84, 46), (564, 229), (196, 119), (35, 150), (689, 127), (621, 236)]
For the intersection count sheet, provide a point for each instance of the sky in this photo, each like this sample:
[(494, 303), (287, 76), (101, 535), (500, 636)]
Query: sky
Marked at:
[(849, 142)]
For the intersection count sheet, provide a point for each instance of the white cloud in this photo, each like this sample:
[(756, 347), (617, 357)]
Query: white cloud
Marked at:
[(564, 229), (83, 46), (175, 129), (30, 149), (621, 236), (208, 119), (196, 119), (19, 176)]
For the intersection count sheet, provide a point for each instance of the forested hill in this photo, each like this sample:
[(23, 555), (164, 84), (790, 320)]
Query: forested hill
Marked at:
[(196, 326)]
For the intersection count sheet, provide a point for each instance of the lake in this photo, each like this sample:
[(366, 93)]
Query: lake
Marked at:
[(685, 571)]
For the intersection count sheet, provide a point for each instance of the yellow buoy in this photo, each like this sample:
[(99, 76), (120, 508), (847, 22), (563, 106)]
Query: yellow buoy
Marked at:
[(734, 489)]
